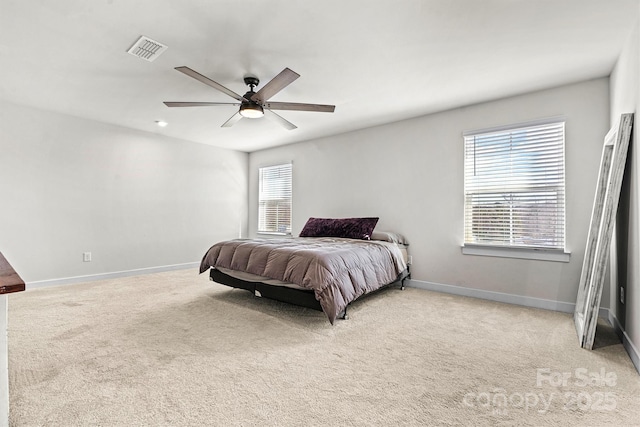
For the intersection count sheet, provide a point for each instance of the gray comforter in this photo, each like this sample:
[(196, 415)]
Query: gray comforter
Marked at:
[(337, 270)]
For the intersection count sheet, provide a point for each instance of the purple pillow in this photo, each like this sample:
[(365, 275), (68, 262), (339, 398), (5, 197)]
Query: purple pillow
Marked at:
[(351, 228)]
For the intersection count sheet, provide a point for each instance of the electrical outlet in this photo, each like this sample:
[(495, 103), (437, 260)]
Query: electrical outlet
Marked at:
[(86, 257), (621, 294)]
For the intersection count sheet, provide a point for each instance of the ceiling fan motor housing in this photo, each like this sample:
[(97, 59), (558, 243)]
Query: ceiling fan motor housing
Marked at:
[(249, 108)]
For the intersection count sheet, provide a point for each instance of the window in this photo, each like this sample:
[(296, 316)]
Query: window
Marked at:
[(514, 187), (274, 199)]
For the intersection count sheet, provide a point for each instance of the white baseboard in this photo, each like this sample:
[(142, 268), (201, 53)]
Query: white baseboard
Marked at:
[(113, 275), (633, 352), (565, 307)]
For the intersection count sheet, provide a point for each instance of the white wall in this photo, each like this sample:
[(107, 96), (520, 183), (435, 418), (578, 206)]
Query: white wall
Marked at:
[(410, 174), (134, 199), (625, 98)]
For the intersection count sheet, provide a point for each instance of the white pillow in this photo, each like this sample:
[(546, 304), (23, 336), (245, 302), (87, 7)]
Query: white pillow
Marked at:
[(389, 236)]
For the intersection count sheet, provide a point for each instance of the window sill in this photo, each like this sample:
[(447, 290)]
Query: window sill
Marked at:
[(272, 233), (556, 255)]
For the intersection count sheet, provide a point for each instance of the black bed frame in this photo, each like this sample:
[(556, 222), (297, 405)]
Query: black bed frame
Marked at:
[(300, 297)]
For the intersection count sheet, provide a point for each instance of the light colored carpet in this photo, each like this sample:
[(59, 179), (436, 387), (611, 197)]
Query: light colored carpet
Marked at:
[(173, 349)]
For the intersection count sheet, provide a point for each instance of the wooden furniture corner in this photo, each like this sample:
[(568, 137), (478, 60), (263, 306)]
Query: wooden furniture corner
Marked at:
[(9, 279)]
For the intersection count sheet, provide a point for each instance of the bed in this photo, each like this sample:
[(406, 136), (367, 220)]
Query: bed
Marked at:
[(332, 263)]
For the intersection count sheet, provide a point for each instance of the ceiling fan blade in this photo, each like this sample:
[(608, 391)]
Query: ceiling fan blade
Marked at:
[(276, 84), (197, 104), (299, 107), (232, 121), (284, 122), (206, 80)]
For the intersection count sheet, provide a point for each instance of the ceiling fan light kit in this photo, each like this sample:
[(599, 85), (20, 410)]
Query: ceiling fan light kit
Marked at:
[(252, 104), (251, 111)]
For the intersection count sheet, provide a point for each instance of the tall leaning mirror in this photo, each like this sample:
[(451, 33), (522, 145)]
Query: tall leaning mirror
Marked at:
[(603, 215)]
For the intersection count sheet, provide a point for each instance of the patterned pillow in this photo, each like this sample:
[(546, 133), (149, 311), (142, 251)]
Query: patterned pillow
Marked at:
[(352, 228)]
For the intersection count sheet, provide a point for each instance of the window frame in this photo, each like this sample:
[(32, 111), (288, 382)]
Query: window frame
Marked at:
[(534, 252), (288, 227)]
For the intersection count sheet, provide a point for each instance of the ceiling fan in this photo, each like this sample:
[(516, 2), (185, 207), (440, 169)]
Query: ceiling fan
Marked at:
[(252, 104)]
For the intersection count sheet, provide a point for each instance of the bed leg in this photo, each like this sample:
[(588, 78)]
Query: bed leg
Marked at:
[(344, 315), (407, 277)]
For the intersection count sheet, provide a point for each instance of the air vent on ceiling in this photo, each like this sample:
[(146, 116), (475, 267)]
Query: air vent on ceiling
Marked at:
[(147, 49)]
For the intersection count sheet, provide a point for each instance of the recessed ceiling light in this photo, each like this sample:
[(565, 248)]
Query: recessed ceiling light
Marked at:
[(161, 123)]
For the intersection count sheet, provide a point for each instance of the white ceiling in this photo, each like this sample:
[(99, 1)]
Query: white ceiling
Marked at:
[(378, 61)]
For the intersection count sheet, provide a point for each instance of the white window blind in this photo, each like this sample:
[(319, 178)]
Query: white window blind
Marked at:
[(514, 187), (274, 200)]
